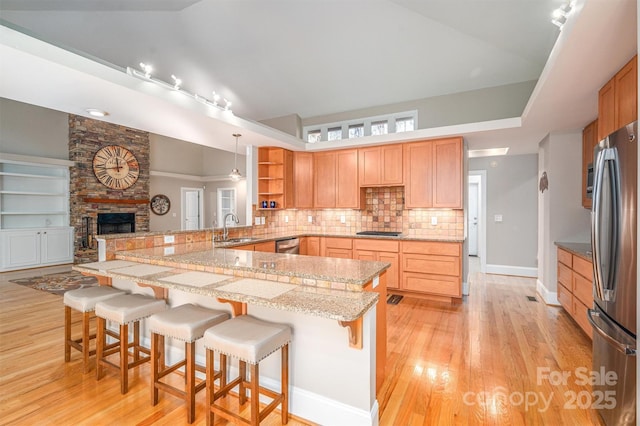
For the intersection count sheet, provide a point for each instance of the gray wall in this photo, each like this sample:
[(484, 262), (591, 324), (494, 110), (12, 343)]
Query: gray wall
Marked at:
[(465, 107), (511, 192), (561, 215), (31, 130)]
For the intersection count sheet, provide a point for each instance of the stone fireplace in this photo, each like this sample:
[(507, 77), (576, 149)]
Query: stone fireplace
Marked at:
[(124, 210)]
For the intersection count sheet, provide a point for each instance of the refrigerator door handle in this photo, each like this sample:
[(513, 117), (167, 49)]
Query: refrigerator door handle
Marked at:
[(622, 347), (595, 224)]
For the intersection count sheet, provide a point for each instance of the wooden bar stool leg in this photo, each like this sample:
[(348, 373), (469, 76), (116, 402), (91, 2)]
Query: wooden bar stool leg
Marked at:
[(255, 395), (67, 334), (86, 316), (190, 370), (242, 392), (154, 368), (284, 378), (223, 370), (100, 343), (124, 358), (209, 387), (136, 341)]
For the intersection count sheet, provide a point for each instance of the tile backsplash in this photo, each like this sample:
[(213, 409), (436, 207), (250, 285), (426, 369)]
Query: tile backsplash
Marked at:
[(383, 211)]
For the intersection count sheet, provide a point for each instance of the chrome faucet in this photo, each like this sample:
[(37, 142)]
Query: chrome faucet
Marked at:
[(225, 231)]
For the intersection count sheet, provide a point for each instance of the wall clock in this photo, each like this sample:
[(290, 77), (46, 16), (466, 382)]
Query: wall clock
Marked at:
[(160, 204), (116, 167)]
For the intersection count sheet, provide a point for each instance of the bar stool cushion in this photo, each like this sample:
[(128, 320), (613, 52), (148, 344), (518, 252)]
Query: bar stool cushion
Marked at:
[(185, 322), (129, 308), (247, 338), (85, 299)]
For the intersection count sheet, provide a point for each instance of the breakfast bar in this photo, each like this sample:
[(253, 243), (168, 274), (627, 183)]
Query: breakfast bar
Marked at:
[(330, 304)]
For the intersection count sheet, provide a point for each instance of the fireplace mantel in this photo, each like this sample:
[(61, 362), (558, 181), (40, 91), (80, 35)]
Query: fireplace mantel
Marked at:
[(115, 201)]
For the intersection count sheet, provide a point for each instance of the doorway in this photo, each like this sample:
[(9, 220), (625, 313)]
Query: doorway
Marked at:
[(192, 208), (476, 221)]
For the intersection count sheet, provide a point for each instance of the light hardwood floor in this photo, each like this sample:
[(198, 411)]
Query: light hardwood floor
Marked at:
[(466, 364)]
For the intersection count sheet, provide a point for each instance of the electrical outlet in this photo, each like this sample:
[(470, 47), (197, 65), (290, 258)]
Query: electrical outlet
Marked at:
[(310, 219), (257, 220), (262, 220), (497, 218), (343, 219), (169, 239), (286, 219), (434, 220)]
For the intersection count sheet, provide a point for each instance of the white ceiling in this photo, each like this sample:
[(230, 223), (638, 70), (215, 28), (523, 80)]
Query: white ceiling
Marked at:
[(314, 57)]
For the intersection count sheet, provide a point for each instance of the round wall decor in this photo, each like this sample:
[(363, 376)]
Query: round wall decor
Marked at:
[(160, 204), (116, 167)]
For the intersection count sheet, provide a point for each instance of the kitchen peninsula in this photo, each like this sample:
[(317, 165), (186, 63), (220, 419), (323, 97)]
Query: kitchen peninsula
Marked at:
[(329, 303)]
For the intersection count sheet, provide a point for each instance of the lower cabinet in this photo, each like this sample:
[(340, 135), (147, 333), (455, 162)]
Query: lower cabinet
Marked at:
[(432, 269), (575, 287), (30, 248), (382, 251), (267, 247), (336, 247)]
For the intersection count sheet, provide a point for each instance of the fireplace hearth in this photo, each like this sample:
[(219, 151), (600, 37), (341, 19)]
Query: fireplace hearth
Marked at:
[(116, 223)]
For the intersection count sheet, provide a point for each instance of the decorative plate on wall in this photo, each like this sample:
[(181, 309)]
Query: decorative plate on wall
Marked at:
[(160, 204)]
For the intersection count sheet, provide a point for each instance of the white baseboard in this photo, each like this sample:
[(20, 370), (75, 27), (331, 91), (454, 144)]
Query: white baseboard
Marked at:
[(549, 297), (465, 288), (520, 271)]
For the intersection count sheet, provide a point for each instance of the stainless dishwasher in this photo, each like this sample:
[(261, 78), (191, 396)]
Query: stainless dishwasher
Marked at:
[(290, 245)]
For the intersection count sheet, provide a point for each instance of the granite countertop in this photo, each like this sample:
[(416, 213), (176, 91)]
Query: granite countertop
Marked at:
[(351, 272), (580, 249), (323, 302)]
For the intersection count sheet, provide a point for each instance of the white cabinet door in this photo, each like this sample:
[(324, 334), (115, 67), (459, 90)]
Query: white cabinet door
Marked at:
[(57, 246), (20, 249)]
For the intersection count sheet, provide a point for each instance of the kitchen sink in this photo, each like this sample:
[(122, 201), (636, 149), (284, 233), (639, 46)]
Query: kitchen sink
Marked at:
[(240, 240)]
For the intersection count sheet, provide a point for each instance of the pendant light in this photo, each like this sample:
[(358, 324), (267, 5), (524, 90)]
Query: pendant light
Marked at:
[(235, 173)]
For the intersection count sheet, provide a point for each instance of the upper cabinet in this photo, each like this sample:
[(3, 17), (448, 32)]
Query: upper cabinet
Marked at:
[(618, 99), (335, 181), (275, 178), (433, 174), (589, 142), (303, 180), (380, 165)]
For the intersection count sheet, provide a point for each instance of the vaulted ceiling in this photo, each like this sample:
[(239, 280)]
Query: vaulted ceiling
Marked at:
[(314, 57)]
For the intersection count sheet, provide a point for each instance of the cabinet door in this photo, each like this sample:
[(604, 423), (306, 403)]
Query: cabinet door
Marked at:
[(21, 249), (267, 247), (447, 174), (589, 141), (417, 158), (313, 246), (369, 164), (57, 246), (347, 188), (303, 180), (393, 272), (626, 94), (339, 253), (365, 255), (324, 165), (606, 109), (391, 170)]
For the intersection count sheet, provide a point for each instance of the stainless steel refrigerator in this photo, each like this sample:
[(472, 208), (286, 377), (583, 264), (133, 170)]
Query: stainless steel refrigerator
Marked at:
[(614, 246)]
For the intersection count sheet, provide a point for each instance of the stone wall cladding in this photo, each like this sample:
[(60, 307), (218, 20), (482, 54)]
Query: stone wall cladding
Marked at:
[(86, 137)]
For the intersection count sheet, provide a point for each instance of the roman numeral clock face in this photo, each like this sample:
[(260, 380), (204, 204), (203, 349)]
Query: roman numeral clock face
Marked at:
[(116, 167)]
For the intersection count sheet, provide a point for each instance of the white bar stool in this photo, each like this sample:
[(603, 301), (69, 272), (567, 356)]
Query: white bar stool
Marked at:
[(84, 300), (124, 310), (188, 324), (250, 340)]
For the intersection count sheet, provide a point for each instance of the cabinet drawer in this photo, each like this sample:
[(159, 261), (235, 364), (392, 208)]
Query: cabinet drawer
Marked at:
[(583, 267), (376, 245), (580, 315), (432, 284), (437, 248), (564, 275), (583, 289), (339, 243), (565, 298), (441, 265), (564, 257), (268, 247), (338, 252)]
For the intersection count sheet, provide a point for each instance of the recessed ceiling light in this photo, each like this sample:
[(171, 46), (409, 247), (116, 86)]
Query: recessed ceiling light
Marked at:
[(491, 152), (97, 112)]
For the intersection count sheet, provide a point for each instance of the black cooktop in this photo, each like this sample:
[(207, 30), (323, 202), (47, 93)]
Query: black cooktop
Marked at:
[(380, 233)]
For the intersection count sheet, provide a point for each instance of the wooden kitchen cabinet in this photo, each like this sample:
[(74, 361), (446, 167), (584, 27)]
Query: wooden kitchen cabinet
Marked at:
[(575, 287), (589, 142), (336, 247), (335, 180), (275, 177), (433, 174), (267, 247), (380, 165), (618, 100), (383, 251), (303, 180), (432, 269)]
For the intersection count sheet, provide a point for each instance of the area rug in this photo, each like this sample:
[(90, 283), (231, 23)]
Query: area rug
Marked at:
[(58, 283)]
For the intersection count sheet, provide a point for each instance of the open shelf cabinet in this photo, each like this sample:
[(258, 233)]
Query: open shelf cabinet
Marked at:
[(275, 178)]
